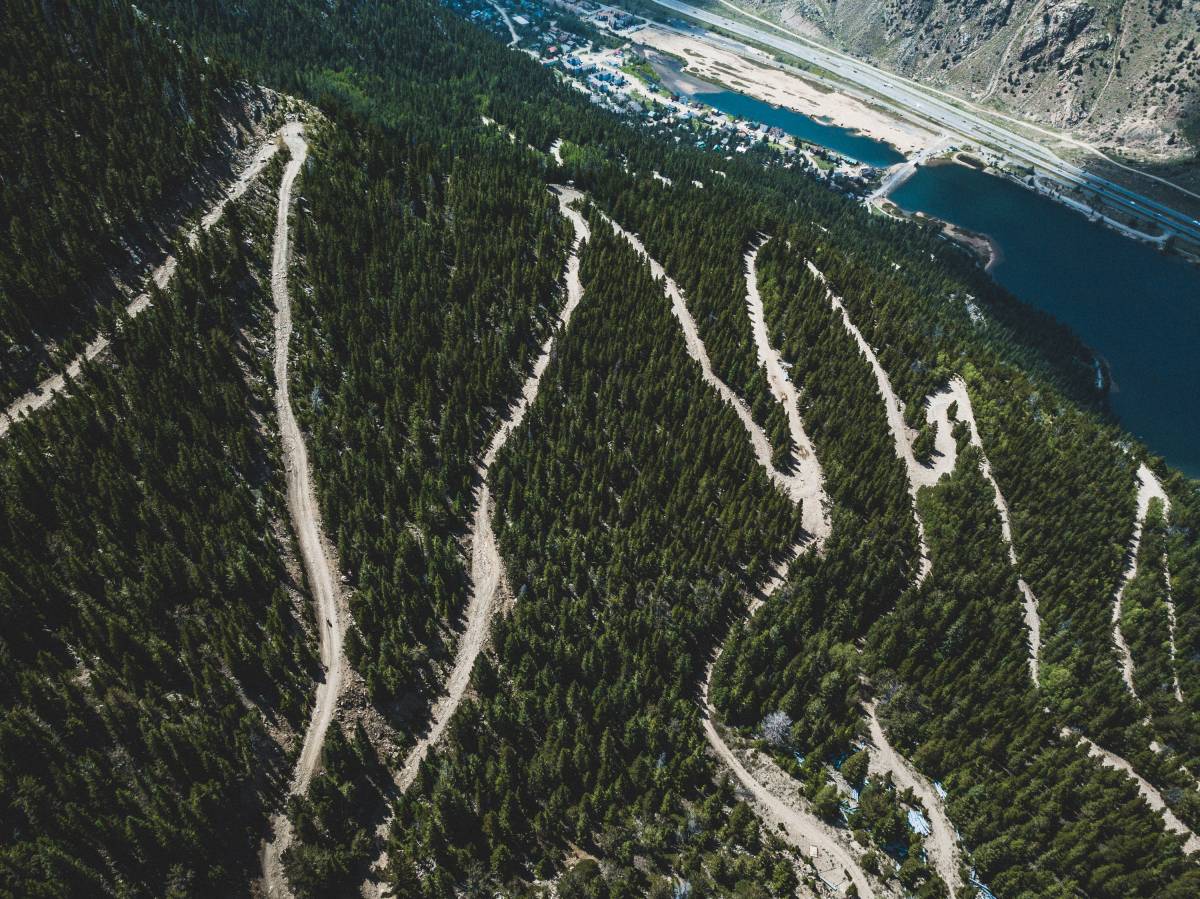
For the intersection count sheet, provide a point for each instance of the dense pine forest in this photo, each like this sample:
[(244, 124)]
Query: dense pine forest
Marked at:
[(114, 133), (162, 654)]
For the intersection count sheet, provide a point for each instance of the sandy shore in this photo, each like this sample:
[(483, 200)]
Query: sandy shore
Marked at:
[(772, 85)]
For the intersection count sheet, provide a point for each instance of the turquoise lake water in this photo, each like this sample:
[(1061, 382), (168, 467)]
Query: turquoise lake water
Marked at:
[(842, 140)]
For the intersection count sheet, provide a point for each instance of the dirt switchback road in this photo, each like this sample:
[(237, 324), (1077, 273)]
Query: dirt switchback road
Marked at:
[(769, 797), (306, 522), (487, 568), (51, 387)]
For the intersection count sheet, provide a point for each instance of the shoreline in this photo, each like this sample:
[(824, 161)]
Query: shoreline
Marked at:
[(698, 60), (983, 247)]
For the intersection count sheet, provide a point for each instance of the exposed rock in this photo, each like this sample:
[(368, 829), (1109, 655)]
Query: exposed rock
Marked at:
[(1050, 37)]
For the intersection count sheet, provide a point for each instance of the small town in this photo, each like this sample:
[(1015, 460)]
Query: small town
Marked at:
[(595, 48)]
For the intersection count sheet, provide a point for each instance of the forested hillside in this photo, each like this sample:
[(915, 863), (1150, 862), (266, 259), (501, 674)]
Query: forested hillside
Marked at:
[(114, 132), (156, 663), (162, 656)]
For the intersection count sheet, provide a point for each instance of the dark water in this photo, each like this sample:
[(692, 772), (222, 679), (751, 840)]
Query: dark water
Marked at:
[(842, 140), (1137, 307)]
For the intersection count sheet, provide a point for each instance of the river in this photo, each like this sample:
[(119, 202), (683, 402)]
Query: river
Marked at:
[(1137, 307)]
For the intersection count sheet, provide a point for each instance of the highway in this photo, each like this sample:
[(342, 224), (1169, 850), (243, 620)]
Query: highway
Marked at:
[(933, 108)]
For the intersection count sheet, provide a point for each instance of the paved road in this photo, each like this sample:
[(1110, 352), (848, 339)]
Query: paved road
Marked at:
[(949, 114)]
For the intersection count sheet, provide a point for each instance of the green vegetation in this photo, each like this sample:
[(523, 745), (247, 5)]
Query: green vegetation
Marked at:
[(156, 668), (106, 124), (153, 653)]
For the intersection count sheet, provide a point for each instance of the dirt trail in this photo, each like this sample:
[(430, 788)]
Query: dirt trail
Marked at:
[(1148, 488), (51, 387), (1151, 795), (556, 150), (918, 475), (319, 566), (942, 842), (516, 38), (487, 568), (809, 479), (802, 487), (803, 830), (939, 407)]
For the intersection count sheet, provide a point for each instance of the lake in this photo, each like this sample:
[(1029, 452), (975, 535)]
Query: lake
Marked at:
[(1137, 307), (849, 143), (842, 140)]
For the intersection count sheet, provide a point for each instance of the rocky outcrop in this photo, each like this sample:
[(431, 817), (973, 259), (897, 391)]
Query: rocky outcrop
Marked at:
[(1121, 74), (1051, 37)]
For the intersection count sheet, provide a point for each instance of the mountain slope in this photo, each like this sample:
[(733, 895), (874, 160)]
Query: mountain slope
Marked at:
[(158, 676), (1122, 74)]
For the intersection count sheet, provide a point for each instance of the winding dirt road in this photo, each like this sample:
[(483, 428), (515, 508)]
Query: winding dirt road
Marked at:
[(809, 480), (487, 568), (801, 486), (1151, 795), (939, 411), (1148, 488), (319, 566), (51, 387), (802, 829), (942, 842), (918, 475)]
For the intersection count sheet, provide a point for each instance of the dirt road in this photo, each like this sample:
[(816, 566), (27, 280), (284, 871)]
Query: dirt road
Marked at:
[(306, 522), (942, 842), (487, 569), (903, 436), (803, 830), (51, 387), (1151, 795), (957, 393), (809, 481), (1148, 488)]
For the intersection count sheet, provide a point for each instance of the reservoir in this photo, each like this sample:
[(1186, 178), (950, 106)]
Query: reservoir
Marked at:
[(849, 143), (1137, 307), (841, 140)]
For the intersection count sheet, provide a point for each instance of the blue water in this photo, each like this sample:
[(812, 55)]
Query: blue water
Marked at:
[(1137, 307), (842, 140)]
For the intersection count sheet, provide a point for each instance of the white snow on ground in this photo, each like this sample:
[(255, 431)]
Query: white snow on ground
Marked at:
[(48, 389), (306, 521), (556, 150), (942, 842), (1148, 488)]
